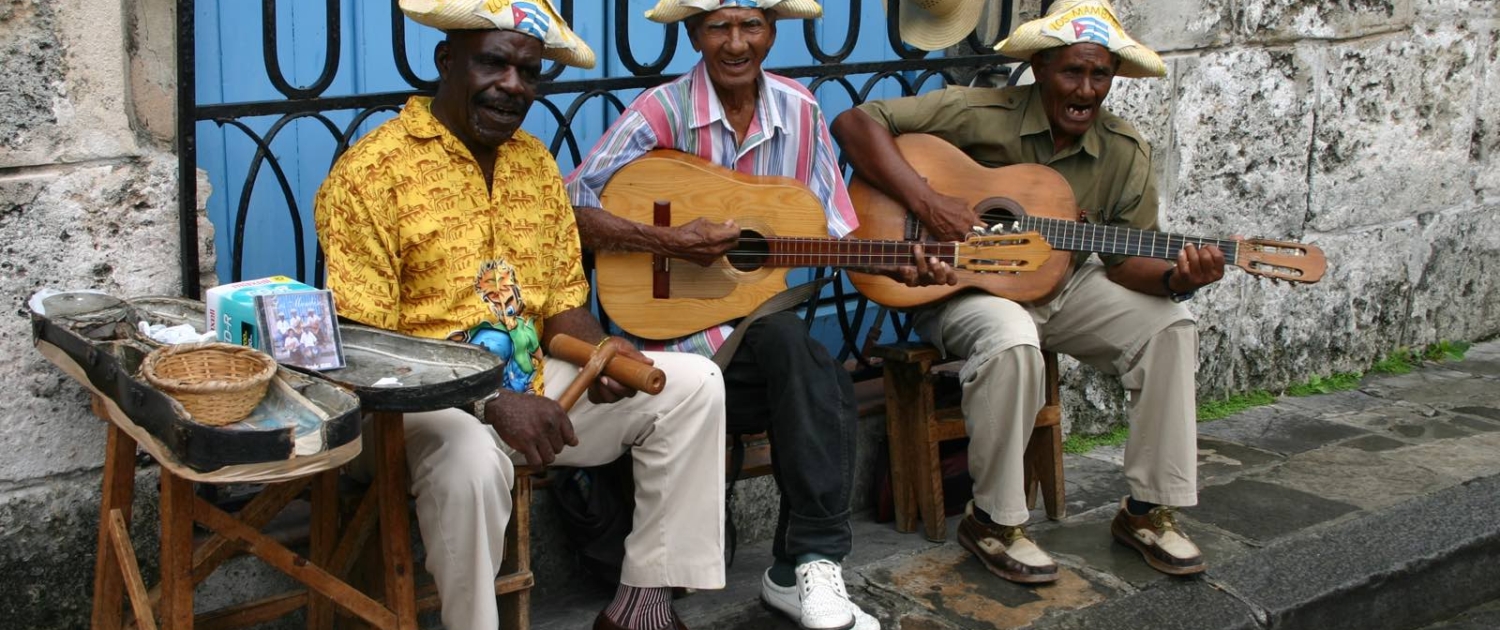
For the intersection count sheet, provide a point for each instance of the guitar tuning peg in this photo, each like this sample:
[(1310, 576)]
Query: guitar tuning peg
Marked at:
[(981, 230)]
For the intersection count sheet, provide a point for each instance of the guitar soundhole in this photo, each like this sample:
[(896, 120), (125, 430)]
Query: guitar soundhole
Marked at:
[(750, 253), (1000, 211)]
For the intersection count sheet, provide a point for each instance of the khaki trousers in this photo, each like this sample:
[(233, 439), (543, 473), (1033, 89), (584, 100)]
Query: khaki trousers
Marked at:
[(1150, 342), (461, 475)]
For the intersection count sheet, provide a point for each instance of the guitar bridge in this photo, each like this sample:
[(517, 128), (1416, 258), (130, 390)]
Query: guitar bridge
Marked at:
[(661, 266)]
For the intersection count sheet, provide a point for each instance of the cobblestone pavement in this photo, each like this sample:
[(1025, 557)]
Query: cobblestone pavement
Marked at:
[(1372, 508)]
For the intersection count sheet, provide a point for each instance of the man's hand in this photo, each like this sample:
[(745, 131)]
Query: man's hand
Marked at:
[(533, 425), (947, 218), (607, 390), (702, 241), (1197, 267), (923, 271)]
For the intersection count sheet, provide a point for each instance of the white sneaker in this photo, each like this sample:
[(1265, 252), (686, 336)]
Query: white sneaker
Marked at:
[(818, 601)]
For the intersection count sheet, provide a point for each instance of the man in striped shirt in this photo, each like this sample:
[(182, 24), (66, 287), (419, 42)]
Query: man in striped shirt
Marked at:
[(730, 112)]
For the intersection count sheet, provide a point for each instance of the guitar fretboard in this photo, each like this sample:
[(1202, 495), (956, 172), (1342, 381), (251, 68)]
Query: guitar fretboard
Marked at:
[(824, 252), (1108, 239)]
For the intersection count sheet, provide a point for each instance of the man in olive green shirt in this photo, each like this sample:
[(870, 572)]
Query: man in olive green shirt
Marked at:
[(1122, 316)]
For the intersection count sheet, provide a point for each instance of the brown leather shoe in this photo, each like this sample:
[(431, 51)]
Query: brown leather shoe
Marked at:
[(605, 623), (1159, 539), (1005, 550)]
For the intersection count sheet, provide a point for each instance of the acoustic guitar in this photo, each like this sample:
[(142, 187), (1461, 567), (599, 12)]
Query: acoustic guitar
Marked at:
[(1026, 198), (782, 226)]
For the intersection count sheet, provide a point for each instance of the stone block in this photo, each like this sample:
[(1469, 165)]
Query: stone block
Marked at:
[(1256, 334), (1285, 20), (1092, 401), (1167, 25), (1395, 123), (111, 227), (1278, 431), (1438, 9), (1243, 118), (1262, 511), (951, 582), (65, 66), (47, 540), (1466, 459), (1357, 477), (1485, 147), (151, 37), (1147, 105)]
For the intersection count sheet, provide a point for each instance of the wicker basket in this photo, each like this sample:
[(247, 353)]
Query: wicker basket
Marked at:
[(217, 383)]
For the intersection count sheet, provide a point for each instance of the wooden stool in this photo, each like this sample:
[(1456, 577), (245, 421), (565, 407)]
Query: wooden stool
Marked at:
[(330, 559), (915, 426), (389, 494)]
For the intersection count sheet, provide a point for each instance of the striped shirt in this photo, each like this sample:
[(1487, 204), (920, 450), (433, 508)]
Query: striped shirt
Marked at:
[(788, 138)]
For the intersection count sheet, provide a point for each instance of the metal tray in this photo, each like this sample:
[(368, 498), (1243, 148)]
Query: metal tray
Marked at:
[(432, 374), (97, 336)]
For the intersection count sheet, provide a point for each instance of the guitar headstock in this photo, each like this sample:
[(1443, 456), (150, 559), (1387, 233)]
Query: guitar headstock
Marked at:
[(1003, 252), (1281, 260)]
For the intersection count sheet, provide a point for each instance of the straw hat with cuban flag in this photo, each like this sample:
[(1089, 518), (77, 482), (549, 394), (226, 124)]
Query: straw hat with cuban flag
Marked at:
[(1079, 21), (672, 11), (535, 18)]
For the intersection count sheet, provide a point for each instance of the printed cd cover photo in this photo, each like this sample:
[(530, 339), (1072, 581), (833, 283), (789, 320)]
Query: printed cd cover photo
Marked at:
[(299, 328)]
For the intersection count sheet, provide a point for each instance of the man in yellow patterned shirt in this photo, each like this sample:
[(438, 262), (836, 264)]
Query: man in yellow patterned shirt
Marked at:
[(450, 222)]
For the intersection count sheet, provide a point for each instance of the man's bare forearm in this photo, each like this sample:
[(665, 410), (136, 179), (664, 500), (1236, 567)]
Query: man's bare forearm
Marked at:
[(578, 323), (600, 231), (873, 153)]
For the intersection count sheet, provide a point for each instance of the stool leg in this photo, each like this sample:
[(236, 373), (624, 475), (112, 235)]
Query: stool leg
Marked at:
[(1050, 471), (322, 538), (904, 414), (515, 607), (1044, 470), (176, 552), (395, 527), (929, 485), (119, 491), (130, 570)]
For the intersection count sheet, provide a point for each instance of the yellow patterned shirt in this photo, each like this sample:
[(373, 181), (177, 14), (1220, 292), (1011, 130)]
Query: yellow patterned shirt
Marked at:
[(416, 244)]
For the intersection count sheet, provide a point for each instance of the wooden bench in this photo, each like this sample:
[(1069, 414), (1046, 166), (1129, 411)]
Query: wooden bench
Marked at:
[(915, 425)]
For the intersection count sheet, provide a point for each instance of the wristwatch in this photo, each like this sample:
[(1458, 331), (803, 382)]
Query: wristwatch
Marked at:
[(1166, 283)]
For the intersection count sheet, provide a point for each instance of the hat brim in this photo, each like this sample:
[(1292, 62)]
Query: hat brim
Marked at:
[(926, 31), (671, 12), (577, 54), (1136, 61)]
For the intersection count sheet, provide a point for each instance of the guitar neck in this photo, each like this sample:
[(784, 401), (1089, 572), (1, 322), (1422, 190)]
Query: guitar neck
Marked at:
[(1108, 239), (829, 252)]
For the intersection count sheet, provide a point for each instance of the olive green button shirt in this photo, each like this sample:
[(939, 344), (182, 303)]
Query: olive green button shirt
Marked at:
[(1109, 169)]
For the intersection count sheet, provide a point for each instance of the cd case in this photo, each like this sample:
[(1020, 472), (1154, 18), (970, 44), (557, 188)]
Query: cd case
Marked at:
[(300, 329)]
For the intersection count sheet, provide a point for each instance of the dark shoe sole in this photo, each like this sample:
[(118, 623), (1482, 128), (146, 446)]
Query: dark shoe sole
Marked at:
[(1001, 570), (1125, 538)]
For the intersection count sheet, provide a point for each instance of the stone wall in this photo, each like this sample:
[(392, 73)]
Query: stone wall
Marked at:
[(1368, 127), (87, 199)]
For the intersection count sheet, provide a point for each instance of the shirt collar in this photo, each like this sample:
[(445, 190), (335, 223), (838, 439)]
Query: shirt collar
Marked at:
[(1034, 121), (420, 123), (707, 109)]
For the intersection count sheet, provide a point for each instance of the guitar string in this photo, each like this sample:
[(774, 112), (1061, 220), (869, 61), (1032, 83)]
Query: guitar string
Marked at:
[(1059, 240)]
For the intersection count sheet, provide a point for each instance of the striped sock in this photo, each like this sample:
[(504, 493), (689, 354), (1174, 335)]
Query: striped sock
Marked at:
[(641, 608)]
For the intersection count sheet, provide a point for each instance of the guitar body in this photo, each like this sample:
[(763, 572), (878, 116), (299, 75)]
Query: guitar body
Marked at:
[(696, 297), (1038, 189)]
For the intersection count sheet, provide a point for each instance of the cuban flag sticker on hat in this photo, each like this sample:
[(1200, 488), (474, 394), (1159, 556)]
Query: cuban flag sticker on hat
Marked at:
[(1083, 25)]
